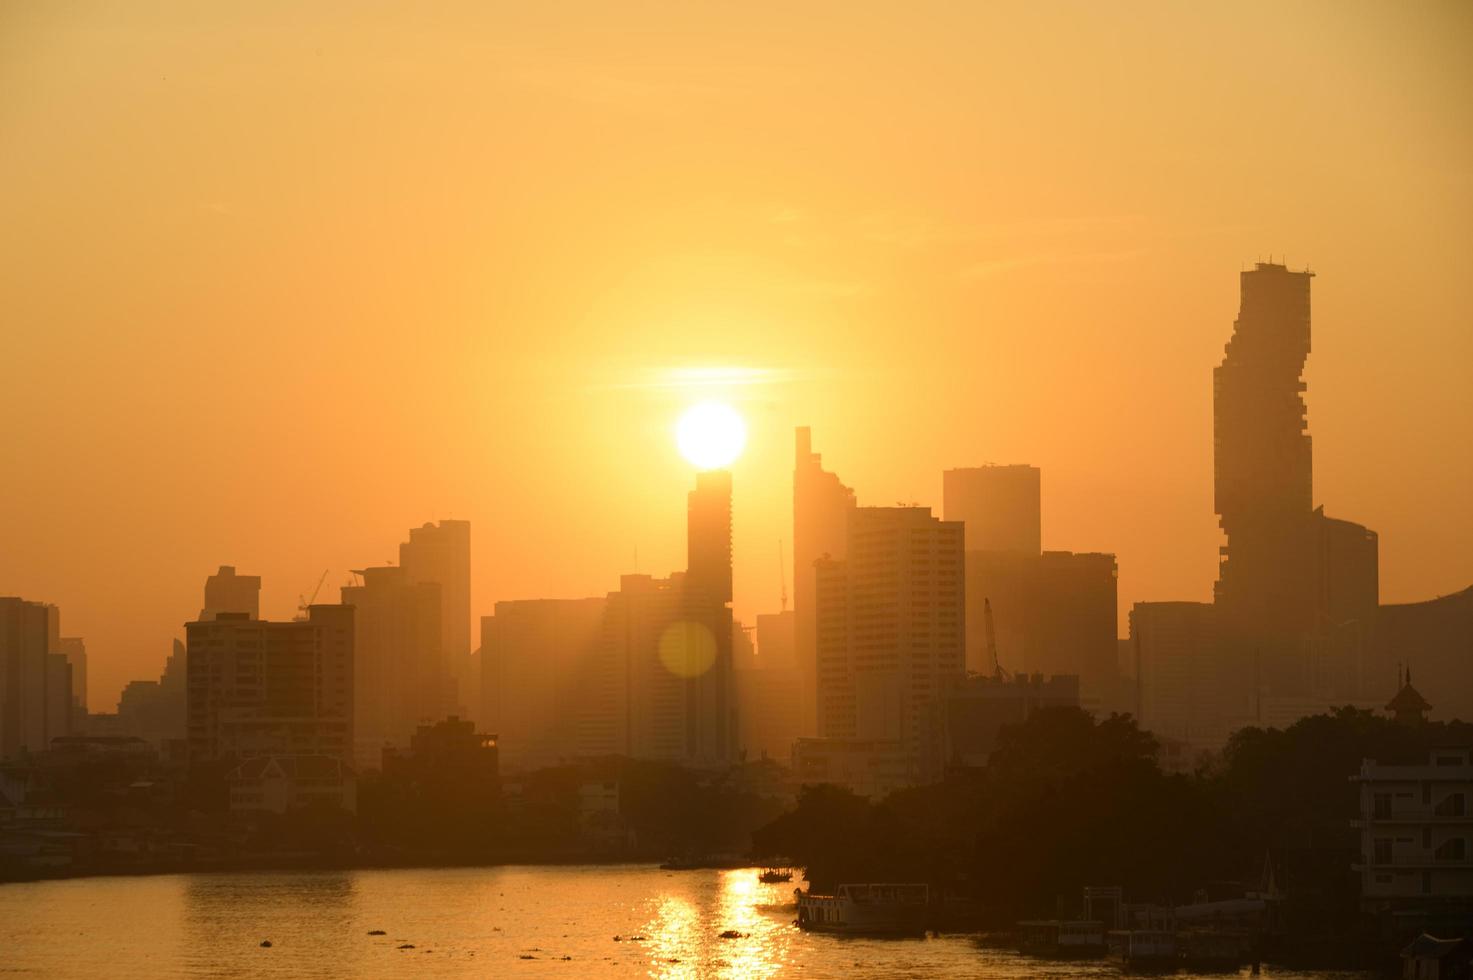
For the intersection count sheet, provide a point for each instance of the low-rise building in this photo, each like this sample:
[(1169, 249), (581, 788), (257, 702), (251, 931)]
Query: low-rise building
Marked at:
[(869, 767), (278, 783), (1416, 837)]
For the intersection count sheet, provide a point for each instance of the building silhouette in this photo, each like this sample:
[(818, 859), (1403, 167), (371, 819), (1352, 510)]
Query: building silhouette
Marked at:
[(441, 553), (1000, 505), (891, 628), (1054, 613), (74, 649), (972, 711), (1436, 637), (227, 592), (35, 678), (821, 508), (769, 689), (258, 688), (401, 677), (547, 689)]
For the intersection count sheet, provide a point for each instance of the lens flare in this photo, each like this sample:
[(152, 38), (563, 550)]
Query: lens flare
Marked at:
[(711, 435)]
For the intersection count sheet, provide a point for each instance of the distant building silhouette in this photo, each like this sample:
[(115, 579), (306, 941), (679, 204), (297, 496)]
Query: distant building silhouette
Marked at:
[(1000, 505), (449, 754), (1437, 637), (280, 783), (891, 627), (972, 711), (227, 592), (441, 553), (401, 676), (769, 690), (546, 690), (35, 678), (1186, 690), (75, 651), (1054, 613), (258, 688), (821, 508), (153, 710)]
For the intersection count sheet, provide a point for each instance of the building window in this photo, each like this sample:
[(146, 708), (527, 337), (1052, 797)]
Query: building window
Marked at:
[(1452, 805), (1383, 879), (1382, 851), (1454, 849), (1381, 806)]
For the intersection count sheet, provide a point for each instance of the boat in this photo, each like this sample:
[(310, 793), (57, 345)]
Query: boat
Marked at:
[(873, 909), (774, 876), (1143, 948), (1062, 938)]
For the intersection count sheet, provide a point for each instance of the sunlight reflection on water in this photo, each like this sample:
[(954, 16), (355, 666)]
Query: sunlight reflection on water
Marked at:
[(462, 922)]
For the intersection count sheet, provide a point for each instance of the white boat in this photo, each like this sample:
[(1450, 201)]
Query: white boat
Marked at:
[(897, 909)]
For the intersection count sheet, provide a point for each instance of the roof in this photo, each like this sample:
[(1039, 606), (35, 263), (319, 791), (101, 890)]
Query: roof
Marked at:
[(290, 766), (1408, 699), (1430, 947)]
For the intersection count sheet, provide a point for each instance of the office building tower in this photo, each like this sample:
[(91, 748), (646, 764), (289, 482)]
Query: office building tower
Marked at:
[(441, 553), (769, 691), (891, 630), (227, 592), (547, 691), (1053, 613), (821, 508), (35, 680), (75, 651), (1263, 480), (1000, 505), (1187, 690), (401, 678), (258, 688)]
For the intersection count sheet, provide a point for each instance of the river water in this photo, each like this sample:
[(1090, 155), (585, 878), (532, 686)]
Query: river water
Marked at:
[(461, 922)]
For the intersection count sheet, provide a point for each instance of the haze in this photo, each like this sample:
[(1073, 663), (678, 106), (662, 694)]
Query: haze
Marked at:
[(277, 284)]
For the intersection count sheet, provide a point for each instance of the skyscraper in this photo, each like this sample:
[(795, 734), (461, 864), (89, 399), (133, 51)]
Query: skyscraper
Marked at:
[(35, 680), (1000, 505), (891, 626), (821, 508), (546, 691), (441, 553), (1263, 484), (75, 652), (257, 688), (225, 591), (401, 678), (706, 602)]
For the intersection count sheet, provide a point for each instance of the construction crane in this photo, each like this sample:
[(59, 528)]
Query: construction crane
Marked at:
[(997, 670), (782, 573), (304, 603)]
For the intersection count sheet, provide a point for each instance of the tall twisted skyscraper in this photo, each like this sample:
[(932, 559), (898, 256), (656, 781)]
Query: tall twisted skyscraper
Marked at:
[(1263, 475), (1296, 590)]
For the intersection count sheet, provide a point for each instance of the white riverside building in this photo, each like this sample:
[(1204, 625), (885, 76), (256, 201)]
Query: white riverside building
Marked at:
[(1416, 836)]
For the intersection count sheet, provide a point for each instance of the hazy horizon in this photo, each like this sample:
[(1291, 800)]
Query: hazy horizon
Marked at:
[(281, 284)]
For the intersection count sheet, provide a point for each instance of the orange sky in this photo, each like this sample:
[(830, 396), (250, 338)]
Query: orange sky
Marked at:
[(278, 283)]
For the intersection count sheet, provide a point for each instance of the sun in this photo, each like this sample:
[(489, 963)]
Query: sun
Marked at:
[(711, 435)]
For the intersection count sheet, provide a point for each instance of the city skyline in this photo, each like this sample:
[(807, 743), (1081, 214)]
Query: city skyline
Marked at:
[(1024, 273)]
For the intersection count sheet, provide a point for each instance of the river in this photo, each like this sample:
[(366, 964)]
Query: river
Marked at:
[(515, 921)]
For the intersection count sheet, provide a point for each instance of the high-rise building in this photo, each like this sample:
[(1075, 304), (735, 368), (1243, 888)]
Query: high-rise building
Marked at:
[(1000, 505), (441, 553), (227, 592), (258, 688), (1187, 690), (401, 679), (768, 691), (1296, 590), (35, 680), (707, 619), (1054, 613), (1263, 482), (891, 626), (75, 652), (547, 690), (821, 508)]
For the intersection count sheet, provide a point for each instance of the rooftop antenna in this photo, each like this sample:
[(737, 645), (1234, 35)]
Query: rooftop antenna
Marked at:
[(782, 573)]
